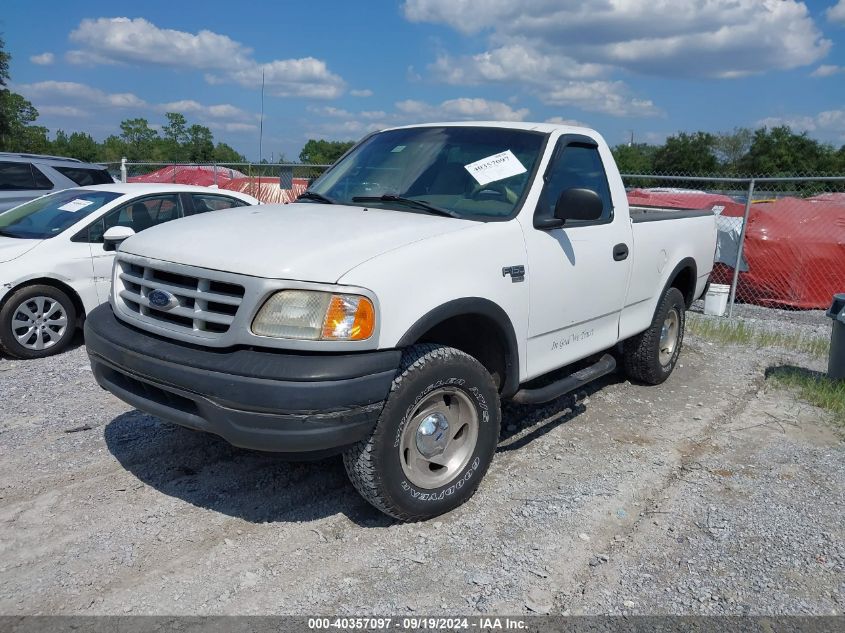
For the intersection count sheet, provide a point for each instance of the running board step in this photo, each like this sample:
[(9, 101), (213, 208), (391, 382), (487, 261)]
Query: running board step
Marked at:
[(605, 365)]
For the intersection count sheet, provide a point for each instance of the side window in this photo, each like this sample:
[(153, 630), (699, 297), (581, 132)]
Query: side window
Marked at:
[(138, 215), (577, 166), (203, 203), (85, 177), (41, 181), (21, 177)]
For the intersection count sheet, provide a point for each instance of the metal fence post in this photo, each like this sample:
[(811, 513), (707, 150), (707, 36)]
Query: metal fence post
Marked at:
[(123, 174), (739, 248), (215, 174)]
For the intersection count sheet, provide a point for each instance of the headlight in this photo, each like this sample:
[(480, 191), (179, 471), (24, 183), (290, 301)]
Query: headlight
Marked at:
[(312, 315)]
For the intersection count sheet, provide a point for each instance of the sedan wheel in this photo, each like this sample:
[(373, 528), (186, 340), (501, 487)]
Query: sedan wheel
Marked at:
[(37, 321)]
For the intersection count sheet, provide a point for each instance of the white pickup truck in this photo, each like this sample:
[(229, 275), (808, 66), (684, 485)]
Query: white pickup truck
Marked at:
[(432, 272)]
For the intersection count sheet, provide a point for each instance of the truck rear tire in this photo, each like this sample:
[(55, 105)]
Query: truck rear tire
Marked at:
[(650, 356), (435, 438)]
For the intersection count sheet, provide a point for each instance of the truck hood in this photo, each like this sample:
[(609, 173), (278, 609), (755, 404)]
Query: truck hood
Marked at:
[(300, 241), (12, 247)]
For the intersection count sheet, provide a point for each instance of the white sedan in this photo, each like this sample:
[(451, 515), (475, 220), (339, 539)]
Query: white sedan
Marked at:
[(56, 254)]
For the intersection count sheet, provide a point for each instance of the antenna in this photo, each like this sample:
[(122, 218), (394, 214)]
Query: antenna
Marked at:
[(260, 131), (261, 121)]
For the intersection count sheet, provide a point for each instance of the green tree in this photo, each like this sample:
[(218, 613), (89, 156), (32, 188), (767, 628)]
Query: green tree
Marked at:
[(226, 154), (323, 152), (17, 116), (635, 159), (731, 147), (82, 146), (139, 138), (5, 58), (200, 144), (176, 137), (780, 151), (684, 153), (4, 78), (113, 149)]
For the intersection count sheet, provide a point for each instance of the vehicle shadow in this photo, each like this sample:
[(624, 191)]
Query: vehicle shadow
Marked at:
[(207, 472), (522, 424), (77, 341)]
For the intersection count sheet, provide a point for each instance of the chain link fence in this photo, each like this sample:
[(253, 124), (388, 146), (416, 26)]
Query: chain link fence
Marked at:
[(781, 239), (270, 183)]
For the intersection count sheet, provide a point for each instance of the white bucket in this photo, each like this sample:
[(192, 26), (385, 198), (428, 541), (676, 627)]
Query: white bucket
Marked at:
[(716, 299)]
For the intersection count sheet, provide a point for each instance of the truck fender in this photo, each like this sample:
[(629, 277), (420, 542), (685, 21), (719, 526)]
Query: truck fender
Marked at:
[(469, 306), (687, 262)]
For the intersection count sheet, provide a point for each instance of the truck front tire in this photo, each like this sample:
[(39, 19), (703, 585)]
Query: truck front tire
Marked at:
[(650, 356), (435, 438)]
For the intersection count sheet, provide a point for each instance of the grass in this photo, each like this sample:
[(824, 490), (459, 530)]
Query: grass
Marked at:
[(813, 387), (725, 331)]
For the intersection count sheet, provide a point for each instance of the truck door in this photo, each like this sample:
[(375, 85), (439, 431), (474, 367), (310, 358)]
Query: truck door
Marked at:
[(578, 273)]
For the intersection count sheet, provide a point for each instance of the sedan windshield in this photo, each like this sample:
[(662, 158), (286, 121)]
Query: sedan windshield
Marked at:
[(465, 172), (49, 215)]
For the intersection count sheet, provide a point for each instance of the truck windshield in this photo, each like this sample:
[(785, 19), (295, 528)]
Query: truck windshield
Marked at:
[(49, 215), (465, 172)]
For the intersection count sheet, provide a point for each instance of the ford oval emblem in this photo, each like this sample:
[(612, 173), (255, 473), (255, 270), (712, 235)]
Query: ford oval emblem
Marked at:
[(162, 299)]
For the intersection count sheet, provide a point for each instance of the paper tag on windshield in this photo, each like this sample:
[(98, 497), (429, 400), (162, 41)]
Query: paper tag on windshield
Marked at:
[(75, 205), (495, 167)]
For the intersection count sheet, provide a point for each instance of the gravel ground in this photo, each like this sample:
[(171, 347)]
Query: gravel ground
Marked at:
[(712, 493)]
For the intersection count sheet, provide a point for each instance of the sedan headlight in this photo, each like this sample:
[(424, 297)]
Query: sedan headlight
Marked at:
[(312, 315)]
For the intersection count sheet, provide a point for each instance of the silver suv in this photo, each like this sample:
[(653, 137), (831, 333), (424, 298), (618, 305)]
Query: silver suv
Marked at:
[(27, 176)]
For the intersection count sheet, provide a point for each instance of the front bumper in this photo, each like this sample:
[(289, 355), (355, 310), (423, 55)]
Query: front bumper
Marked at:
[(263, 400)]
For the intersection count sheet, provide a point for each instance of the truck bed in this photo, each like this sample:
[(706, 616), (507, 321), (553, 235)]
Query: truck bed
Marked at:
[(656, 214)]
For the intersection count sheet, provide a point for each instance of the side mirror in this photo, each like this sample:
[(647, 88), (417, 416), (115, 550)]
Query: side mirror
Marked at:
[(573, 204), (578, 204), (115, 236)]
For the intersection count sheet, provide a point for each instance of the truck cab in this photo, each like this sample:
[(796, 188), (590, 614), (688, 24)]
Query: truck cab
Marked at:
[(432, 272)]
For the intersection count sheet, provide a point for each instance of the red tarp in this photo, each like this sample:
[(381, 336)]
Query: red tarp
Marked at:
[(267, 189), (794, 247), (202, 175), (677, 199)]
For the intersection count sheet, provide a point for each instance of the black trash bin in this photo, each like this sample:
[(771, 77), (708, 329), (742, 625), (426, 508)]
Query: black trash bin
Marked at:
[(836, 360)]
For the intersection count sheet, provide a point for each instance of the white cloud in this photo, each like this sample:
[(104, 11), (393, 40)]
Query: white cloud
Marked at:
[(513, 62), (827, 70), (829, 124), (138, 41), (44, 59), (339, 123), (361, 93), (68, 91), (306, 77), (836, 13), (71, 99), (609, 97), (558, 120), (463, 108), (63, 111), (717, 38), (220, 111)]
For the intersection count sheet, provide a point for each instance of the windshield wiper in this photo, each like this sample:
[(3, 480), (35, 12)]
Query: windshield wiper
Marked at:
[(313, 195), (7, 234), (419, 204)]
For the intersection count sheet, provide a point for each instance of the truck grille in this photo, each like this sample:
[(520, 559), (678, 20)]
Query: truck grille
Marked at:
[(204, 305)]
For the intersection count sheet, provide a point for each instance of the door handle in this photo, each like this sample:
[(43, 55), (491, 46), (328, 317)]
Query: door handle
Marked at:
[(620, 252)]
